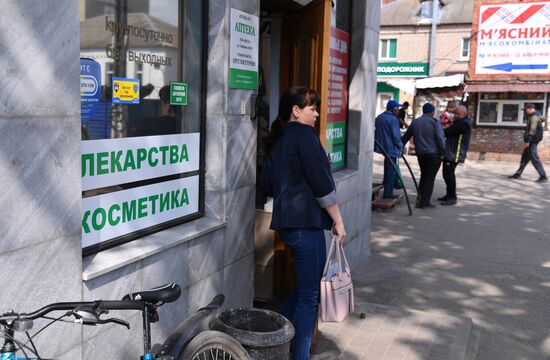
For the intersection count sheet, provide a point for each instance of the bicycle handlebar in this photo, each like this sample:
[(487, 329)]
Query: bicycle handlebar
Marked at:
[(68, 306)]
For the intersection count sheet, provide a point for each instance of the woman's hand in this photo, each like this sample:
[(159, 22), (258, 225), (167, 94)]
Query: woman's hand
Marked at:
[(339, 231)]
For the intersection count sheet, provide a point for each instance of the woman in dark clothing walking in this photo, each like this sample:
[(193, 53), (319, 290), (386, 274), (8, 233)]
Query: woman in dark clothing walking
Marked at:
[(297, 175)]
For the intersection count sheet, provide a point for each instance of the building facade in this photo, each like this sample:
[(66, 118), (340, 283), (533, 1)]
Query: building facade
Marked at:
[(129, 157), (412, 49), (508, 68)]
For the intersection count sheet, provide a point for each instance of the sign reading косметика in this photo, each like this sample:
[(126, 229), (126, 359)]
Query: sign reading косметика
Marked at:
[(513, 38), (118, 213)]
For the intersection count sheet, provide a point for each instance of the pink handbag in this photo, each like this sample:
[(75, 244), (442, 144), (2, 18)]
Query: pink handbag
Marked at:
[(336, 285)]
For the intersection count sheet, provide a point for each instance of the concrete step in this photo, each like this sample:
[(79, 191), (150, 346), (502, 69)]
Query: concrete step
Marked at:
[(392, 333)]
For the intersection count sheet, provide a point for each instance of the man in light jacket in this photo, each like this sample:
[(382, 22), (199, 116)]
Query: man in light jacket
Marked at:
[(429, 143), (388, 139), (531, 139)]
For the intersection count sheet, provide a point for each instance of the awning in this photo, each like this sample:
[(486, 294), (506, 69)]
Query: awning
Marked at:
[(407, 86), (440, 81), (429, 84), (507, 87)]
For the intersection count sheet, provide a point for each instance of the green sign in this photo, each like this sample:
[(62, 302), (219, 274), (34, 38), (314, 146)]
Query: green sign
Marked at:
[(243, 79), (337, 154), (336, 133), (178, 93), (408, 69)]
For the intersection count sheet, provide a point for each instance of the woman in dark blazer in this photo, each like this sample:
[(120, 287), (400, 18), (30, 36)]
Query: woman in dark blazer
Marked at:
[(297, 175)]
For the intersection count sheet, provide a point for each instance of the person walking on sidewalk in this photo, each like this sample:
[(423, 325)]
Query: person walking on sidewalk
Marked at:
[(296, 173), (457, 139), (388, 139), (531, 138), (430, 148)]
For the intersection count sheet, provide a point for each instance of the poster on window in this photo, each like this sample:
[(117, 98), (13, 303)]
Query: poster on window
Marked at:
[(337, 107), (243, 50), (111, 215), (513, 39)]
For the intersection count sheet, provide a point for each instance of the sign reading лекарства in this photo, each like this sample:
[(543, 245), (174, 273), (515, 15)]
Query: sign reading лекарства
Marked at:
[(243, 50), (112, 162), (513, 38)]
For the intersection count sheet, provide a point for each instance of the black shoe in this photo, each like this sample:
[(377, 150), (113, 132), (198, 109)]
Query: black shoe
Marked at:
[(443, 198), (429, 206), (449, 202), (542, 179), (418, 206), (515, 176)]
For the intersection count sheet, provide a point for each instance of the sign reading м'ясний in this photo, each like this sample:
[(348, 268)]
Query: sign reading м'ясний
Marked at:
[(409, 69), (513, 38)]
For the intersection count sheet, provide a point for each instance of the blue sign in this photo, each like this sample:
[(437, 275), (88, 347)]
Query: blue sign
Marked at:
[(509, 67), (90, 88)]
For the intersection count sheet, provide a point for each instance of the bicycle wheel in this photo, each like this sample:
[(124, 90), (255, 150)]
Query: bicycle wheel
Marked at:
[(213, 345)]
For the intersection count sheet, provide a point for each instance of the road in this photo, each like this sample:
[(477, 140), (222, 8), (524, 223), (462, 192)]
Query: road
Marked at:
[(487, 258)]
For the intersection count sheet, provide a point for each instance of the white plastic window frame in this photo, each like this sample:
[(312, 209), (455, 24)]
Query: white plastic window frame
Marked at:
[(500, 105), (463, 41), (386, 56)]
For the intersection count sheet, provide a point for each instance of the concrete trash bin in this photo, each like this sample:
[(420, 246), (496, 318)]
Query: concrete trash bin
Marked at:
[(265, 334)]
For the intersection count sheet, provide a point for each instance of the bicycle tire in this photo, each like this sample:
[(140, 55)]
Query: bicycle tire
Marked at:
[(213, 345)]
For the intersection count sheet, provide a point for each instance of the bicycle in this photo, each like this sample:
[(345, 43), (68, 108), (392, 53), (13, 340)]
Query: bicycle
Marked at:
[(186, 342)]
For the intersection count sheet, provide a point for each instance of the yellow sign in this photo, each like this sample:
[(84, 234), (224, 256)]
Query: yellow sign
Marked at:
[(125, 91)]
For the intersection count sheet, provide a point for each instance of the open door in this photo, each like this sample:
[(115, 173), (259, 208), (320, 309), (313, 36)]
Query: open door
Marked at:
[(305, 51)]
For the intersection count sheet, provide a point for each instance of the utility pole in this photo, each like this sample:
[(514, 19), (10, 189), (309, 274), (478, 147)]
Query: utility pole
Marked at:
[(435, 19)]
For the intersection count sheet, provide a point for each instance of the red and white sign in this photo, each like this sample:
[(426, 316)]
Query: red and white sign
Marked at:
[(513, 38), (338, 76)]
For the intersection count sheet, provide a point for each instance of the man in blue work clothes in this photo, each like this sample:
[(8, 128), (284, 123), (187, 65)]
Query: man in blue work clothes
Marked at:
[(429, 143), (388, 139)]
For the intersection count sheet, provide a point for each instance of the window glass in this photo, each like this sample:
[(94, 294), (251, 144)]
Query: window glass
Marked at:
[(488, 112), (140, 80), (465, 48), (510, 113), (388, 48)]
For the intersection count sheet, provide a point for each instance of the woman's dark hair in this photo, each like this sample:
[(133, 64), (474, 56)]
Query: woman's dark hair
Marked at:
[(300, 96)]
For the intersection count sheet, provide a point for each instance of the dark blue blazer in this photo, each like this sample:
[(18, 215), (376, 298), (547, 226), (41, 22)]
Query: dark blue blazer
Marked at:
[(297, 175)]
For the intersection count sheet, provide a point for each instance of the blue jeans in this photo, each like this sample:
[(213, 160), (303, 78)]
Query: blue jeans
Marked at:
[(389, 176), (300, 307)]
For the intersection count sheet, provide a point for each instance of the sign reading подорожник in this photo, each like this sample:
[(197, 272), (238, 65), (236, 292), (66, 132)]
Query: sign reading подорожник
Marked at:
[(513, 38), (243, 50)]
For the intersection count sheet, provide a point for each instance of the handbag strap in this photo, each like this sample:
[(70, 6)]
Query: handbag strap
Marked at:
[(348, 269), (329, 256)]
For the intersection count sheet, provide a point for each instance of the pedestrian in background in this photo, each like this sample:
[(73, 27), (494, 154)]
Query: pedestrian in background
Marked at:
[(296, 173), (531, 138), (388, 140), (457, 139), (430, 148), (403, 115)]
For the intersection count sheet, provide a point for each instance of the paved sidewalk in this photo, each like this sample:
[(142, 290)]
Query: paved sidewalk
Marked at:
[(391, 333)]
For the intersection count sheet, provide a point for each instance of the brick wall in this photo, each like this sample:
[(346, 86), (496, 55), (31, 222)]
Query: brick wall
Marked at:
[(503, 144)]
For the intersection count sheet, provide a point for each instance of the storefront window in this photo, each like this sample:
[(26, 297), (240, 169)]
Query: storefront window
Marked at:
[(141, 117), (505, 109)]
